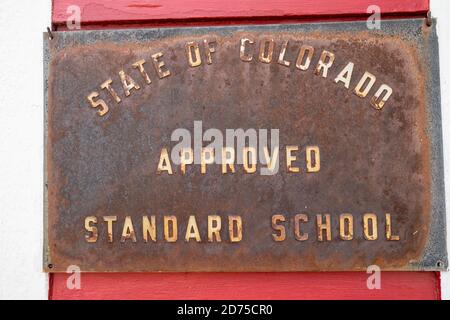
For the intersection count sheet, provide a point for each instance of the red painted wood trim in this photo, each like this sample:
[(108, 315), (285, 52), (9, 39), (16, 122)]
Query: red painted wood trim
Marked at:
[(264, 286), (95, 13), (101, 14)]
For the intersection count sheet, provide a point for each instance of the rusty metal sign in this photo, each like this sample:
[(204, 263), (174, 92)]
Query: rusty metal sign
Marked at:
[(244, 148)]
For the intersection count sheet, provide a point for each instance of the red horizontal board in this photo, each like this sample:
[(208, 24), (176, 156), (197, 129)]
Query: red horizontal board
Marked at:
[(264, 286), (104, 12)]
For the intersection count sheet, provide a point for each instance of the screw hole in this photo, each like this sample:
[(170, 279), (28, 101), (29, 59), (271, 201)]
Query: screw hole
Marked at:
[(439, 264), (429, 19)]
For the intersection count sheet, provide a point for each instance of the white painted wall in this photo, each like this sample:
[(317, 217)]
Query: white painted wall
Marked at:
[(21, 142), (21, 148)]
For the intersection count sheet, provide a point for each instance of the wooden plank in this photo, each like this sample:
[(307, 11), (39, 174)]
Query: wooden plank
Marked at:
[(125, 13), (331, 286), (157, 12)]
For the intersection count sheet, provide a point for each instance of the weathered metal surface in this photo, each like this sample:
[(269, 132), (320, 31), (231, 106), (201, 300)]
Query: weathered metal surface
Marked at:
[(377, 161)]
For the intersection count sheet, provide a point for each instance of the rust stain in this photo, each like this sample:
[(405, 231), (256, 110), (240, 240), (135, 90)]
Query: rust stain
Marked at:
[(144, 5)]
